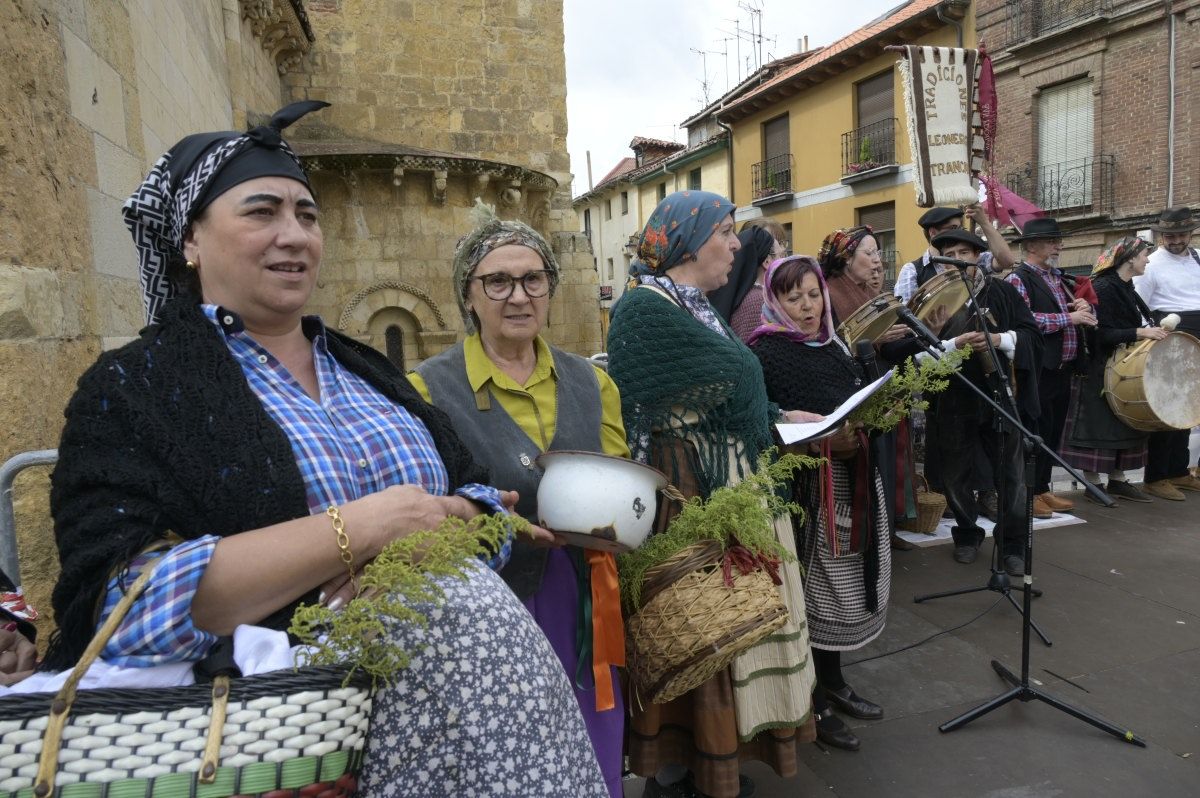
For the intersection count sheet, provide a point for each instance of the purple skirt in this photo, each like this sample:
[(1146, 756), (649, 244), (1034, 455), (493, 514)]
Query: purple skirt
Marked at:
[(554, 607)]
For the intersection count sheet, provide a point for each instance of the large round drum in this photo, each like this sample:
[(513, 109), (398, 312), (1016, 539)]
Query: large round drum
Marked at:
[(939, 299), (1152, 385), (871, 320)]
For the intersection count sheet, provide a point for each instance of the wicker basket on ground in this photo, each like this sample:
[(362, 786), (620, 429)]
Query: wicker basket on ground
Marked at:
[(930, 506), (691, 624)]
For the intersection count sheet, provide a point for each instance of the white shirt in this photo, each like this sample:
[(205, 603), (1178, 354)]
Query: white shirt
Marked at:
[(1171, 282), (906, 280)]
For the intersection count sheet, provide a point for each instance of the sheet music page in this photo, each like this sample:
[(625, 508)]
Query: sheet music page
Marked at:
[(813, 430)]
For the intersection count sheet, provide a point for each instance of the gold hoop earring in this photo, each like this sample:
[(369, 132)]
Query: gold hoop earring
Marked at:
[(190, 265)]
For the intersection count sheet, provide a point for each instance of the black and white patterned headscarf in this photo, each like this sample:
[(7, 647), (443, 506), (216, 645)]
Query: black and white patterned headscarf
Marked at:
[(188, 177)]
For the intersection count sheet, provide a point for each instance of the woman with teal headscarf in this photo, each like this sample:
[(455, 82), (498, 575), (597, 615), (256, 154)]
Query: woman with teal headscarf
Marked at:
[(695, 405)]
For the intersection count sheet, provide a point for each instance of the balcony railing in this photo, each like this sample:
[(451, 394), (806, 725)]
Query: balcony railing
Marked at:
[(869, 147), (772, 176), (1028, 19), (1081, 186)]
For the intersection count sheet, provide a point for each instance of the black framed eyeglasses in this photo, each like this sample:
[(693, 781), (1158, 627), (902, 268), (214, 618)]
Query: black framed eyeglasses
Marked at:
[(500, 286)]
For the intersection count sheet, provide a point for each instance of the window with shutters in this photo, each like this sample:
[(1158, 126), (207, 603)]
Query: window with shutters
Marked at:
[(882, 219), (773, 175), (873, 143), (607, 210), (1065, 146), (694, 180), (624, 203), (662, 191)]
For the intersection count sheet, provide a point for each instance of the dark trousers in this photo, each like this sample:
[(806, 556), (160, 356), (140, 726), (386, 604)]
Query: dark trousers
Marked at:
[(956, 437), (1054, 396), (1167, 455)]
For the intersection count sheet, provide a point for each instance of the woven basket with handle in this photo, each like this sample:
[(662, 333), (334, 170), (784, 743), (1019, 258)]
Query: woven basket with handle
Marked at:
[(691, 624), (295, 732), (930, 506)]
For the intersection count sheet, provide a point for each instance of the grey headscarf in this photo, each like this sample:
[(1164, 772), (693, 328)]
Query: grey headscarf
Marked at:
[(490, 233)]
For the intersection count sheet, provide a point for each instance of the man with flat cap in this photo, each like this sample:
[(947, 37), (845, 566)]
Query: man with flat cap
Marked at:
[(1059, 315), (1171, 284), (938, 220), (960, 424)]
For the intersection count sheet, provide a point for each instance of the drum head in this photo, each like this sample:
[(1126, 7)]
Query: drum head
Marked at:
[(1171, 380), (871, 320), (938, 300)]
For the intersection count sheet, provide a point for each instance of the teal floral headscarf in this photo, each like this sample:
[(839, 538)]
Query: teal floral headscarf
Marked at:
[(677, 229)]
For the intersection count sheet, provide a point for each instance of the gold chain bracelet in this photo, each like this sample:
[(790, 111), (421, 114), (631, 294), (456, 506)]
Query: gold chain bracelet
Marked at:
[(343, 540)]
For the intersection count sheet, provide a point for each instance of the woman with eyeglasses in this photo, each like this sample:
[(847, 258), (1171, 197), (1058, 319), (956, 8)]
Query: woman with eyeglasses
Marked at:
[(512, 396)]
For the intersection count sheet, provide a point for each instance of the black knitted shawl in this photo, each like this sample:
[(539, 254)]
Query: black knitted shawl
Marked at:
[(166, 434)]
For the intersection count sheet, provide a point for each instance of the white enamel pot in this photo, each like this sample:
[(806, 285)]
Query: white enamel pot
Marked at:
[(598, 501)]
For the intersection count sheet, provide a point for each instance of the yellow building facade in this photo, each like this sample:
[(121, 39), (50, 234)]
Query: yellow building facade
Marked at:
[(806, 154)]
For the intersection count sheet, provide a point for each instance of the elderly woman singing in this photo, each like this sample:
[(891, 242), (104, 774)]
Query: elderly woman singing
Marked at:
[(512, 396), (695, 406), (243, 426)]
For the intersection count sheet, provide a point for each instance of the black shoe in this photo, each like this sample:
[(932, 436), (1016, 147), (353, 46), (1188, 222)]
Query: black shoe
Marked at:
[(988, 507), (966, 554), (1123, 489), (676, 789), (1014, 565), (833, 732), (900, 544), (853, 704)]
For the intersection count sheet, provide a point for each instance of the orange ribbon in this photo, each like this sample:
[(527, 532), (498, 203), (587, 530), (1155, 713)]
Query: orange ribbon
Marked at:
[(608, 628)]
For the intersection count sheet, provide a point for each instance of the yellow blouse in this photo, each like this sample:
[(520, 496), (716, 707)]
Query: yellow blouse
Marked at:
[(533, 406)]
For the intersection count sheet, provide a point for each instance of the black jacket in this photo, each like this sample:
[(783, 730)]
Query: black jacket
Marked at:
[(166, 434), (1042, 300)]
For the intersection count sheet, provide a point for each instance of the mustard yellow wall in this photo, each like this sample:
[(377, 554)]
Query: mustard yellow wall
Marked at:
[(817, 118)]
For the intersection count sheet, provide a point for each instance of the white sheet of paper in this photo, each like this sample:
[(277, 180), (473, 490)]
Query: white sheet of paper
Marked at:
[(813, 430)]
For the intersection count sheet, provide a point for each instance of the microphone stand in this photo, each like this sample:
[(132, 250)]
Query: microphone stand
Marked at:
[(1021, 689), (1001, 390)]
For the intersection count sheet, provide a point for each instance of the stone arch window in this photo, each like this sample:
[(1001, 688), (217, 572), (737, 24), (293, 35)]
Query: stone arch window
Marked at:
[(423, 330), (393, 341)]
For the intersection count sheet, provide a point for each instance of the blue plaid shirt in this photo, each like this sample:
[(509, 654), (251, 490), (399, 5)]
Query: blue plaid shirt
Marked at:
[(350, 443)]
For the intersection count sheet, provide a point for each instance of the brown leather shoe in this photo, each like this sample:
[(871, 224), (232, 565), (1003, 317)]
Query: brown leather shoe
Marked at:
[(1189, 482), (1056, 503), (1040, 508), (1163, 489)]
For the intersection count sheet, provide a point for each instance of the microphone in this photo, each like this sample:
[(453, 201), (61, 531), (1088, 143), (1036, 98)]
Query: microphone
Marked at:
[(864, 353), (917, 326), (961, 264)]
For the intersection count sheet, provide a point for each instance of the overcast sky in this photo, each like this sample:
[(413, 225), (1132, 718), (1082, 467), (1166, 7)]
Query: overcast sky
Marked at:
[(631, 71)]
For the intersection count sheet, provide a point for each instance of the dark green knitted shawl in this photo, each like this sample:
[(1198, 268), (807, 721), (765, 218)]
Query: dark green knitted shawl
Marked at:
[(680, 380)]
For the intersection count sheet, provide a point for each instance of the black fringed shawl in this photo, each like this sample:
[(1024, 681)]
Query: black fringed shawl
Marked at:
[(166, 434)]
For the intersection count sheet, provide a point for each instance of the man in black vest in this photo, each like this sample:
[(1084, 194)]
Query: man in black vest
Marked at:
[(916, 273), (1059, 315), (960, 425)]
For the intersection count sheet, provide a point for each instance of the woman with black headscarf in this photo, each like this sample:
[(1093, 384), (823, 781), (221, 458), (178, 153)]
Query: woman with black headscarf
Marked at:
[(740, 300), (285, 456)]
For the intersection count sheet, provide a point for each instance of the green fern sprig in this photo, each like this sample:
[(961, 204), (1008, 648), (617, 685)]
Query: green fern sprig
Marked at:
[(736, 515), (906, 389), (394, 589)]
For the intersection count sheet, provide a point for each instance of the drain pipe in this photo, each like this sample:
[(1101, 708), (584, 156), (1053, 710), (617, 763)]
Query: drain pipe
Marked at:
[(729, 150), (950, 21), (1171, 109)]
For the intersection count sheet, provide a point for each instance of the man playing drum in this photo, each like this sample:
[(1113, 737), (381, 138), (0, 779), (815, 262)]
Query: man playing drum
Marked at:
[(1058, 315), (1171, 284), (938, 220), (959, 424)]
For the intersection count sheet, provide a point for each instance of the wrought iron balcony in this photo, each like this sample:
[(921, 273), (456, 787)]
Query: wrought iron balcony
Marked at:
[(772, 176), (869, 147), (1029, 19), (1081, 186)]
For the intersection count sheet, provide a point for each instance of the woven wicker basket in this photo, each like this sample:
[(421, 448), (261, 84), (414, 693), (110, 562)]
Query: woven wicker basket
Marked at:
[(691, 625), (299, 732), (930, 506)]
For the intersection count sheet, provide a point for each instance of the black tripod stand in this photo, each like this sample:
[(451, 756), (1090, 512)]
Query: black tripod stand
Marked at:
[(1002, 391), (1022, 690)]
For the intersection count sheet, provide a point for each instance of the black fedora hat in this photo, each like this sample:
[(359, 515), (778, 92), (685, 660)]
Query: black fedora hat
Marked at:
[(938, 216), (1037, 229), (1175, 220), (943, 240)]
